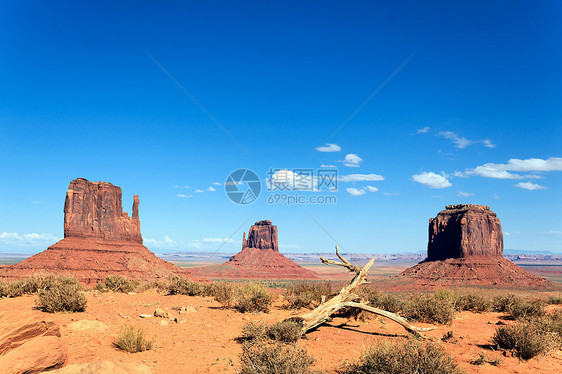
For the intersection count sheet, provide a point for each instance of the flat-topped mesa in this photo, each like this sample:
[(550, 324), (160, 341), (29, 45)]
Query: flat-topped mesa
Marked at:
[(94, 210), (262, 235), (464, 230)]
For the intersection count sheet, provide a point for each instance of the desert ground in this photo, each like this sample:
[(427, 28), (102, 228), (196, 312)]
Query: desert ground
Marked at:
[(205, 337)]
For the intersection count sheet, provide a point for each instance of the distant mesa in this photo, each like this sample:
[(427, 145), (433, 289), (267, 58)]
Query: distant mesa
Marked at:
[(465, 247), (259, 259), (99, 240)]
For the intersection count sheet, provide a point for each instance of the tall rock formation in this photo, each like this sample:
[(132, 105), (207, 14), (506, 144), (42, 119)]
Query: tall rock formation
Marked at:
[(464, 230), (259, 259), (99, 240), (465, 247)]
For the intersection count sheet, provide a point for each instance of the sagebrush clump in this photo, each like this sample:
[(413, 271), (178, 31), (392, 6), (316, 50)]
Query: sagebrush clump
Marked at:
[(430, 309), (132, 340), (62, 294), (253, 298), (117, 283), (274, 358), (410, 358), (306, 294)]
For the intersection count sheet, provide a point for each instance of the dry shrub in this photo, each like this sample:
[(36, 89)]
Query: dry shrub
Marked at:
[(465, 300), (62, 294), (277, 358), (430, 309), (117, 283), (179, 285), (225, 293), (555, 299), (288, 331), (412, 357), (384, 301), (26, 286), (550, 325), (483, 359), (254, 298), (132, 340), (503, 303), (525, 339), (526, 310), (306, 294)]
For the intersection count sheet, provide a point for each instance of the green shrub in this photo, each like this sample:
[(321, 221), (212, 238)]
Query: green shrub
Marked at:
[(117, 283), (525, 339), (409, 358), (132, 340), (306, 294), (62, 294), (266, 358), (430, 309), (253, 298)]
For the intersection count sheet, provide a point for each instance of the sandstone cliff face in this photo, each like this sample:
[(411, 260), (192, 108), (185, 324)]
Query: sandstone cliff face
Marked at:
[(99, 240), (259, 259), (94, 210), (465, 230), (262, 235)]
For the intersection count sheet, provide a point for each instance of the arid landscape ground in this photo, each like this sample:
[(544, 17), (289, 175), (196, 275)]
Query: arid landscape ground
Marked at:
[(205, 338)]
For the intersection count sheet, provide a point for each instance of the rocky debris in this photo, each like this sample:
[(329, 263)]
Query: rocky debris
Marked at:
[(100, 240), (465, 230), (259, 259), (465, 247), (161, 313), (105, 367), (29, 344)]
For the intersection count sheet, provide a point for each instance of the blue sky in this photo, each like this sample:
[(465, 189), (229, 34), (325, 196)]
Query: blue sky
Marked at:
[(436, 103)]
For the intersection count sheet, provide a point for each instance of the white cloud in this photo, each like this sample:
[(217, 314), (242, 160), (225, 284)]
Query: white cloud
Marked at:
[(423, 131), (361, 178), (211, 189), (199, 191), (218, 240), (390, 193), (371, 188), (327, 166), (183, 196), (329, 148), (503, 171), (178, 186), (217, 184), (289, 179), (529, 186), (462, 142), (431, 180), (553, 232), (465, 194), (355, 192), (15, 239), (352, 160)]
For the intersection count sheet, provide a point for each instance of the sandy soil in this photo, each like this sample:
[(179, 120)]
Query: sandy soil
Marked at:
[(204, 340)]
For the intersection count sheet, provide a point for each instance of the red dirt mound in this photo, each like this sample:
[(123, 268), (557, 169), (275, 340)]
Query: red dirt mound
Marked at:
[(100, 240), (259, 259)]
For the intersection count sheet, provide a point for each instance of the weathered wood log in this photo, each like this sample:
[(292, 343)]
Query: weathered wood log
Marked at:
[(347, 297)]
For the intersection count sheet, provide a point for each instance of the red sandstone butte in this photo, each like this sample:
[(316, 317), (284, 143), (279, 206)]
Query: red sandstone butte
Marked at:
[(465, 247), (99, 240), (259, 259)]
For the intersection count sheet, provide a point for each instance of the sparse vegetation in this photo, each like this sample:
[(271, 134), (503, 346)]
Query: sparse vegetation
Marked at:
[(306, 294), (555, 299), (132, 340), (525, 310), (254, 298), (27, 286), (276, 358), (117, 283), (225, 293), (430, 309), (62, 294), (410, 358), (524, 339), (503, 303), (285, 331), (178, 285), (381, 300)]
